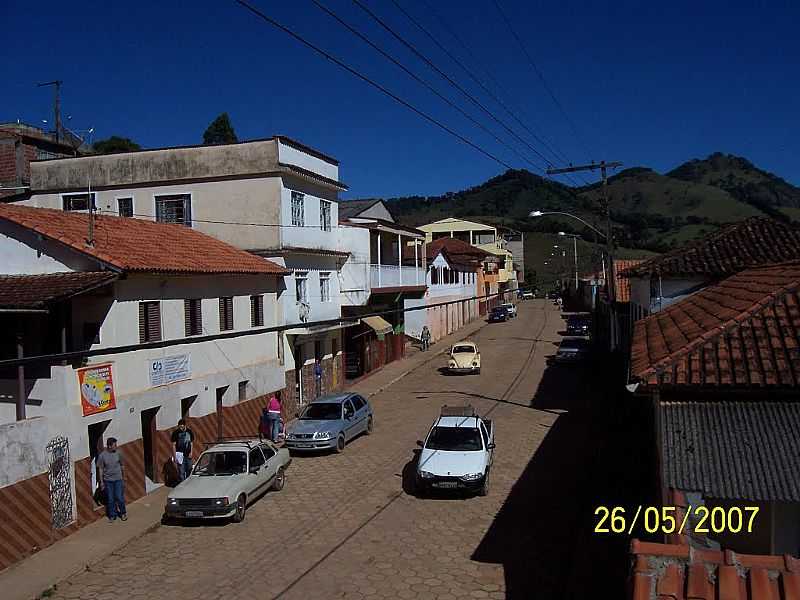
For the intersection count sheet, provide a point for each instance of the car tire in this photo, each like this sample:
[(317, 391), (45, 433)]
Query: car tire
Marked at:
[(484, 491), (478, 371), (280, 480), (241, 509), (340, 444), (370, 426)]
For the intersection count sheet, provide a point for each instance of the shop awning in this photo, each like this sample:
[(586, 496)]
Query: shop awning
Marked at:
[(379, 324)]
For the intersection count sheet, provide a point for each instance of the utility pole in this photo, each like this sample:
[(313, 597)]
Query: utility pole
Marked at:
[(57, 83), (610, 281)]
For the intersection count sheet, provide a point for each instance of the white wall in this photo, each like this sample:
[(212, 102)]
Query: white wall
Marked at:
[(355, 276), (311, 265), (672, 289), (24, 254), (309, 236), (290, 155)]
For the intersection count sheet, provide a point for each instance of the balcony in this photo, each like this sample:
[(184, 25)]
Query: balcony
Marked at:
[(390, 276)]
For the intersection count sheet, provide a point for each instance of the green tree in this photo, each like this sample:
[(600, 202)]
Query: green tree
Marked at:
[(220, 131), (115, 144)]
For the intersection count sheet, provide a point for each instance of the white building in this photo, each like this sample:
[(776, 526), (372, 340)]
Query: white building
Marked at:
[(70, 284)]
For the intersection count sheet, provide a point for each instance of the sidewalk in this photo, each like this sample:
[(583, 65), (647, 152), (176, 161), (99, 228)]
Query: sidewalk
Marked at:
[(42, 571)]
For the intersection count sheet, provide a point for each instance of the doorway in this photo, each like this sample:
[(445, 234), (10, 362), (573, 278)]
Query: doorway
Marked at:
[(148, 441), (95, 432), (220, 424), (298, 374), (186, 405)]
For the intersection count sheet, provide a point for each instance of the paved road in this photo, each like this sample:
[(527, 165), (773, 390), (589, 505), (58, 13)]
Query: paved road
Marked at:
[(345, 528)]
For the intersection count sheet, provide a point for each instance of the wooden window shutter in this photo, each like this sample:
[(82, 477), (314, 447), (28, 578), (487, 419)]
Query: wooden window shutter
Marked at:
[(256, 311), (225, 314), (193, 316), (149, 322), (142, 323)]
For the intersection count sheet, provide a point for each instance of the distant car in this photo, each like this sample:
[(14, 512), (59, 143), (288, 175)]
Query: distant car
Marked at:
[(578, 325), (464, 358), (457, 454), (553, 295), (572, 350), (498, 315), (528, 295), (330, 422), (227, 478), (511, 308)]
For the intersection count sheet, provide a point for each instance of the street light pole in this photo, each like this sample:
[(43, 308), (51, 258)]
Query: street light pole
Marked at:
[(575, 252)]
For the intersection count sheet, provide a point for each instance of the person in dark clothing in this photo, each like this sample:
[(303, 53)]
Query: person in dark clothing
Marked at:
[(182, 439), (425, 337), (318, 377), (111, 474)]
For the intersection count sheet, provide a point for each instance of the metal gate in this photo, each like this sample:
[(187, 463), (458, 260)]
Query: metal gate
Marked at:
[(60, 482)]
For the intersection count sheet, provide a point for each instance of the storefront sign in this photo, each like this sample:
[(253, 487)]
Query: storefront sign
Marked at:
[(170, 369), (97, 389)]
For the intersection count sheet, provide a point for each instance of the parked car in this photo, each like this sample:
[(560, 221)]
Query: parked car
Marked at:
[(464, 358), (553, 295), (511, 308), (498, 314), (457, 452), (329, 422), (572, 350), (528, 295), (578, 325), (227, 478)]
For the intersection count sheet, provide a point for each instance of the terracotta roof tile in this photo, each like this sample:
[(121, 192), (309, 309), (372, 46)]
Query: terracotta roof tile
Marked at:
[(36, 291), (139, 245), (754, 241), (455, 248), (743, 331), (662, 571)]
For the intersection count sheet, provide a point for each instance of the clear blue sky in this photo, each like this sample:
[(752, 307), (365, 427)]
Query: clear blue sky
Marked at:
[(647, 85)]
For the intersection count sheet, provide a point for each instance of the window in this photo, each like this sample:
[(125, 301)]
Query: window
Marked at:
[(176, 208), (348, 409), (298, 209), (358, 403), (91, 334), (301, 286), (243, 390), (125, 207), (78, 201), (434, 275), (256, 311), (226, 314), (149, 322), (324, 215), (268, 452), (256, 458), (280, 348), (325, 286), (193, 316)]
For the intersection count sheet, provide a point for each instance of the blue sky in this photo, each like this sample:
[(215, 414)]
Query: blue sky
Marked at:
[(647, 85)]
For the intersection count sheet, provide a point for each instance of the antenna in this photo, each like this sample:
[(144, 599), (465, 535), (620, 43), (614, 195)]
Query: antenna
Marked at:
[(57, 109)]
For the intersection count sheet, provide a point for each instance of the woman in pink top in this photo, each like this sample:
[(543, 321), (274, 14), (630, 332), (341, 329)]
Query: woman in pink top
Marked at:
[(274, 416)]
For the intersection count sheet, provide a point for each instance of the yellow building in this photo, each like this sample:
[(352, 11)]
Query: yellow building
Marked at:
[(479, 235)]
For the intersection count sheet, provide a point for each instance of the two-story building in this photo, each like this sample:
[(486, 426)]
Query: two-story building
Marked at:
[(138, 301), (275, 198)]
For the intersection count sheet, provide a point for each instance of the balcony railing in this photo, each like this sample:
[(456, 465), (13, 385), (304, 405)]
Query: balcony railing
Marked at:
[(381, 276)]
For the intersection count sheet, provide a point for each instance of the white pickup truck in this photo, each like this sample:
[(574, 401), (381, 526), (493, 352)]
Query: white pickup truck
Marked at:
[(457, 453)]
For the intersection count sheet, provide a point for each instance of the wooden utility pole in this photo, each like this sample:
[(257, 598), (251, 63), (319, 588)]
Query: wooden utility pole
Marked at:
[(610, 280), (57, 83)]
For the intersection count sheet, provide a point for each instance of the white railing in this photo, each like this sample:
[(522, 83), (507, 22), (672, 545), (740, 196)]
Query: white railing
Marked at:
[(395, 276)]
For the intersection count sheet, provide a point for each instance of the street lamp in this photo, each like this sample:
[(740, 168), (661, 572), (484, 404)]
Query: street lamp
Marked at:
[(575, 248), (539, 213)]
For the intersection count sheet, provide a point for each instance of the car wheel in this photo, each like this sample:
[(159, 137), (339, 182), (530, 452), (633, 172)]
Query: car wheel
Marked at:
[(340, 444), (484, 491), (370, 426), (478, 371), (241, 509), (280, 480)]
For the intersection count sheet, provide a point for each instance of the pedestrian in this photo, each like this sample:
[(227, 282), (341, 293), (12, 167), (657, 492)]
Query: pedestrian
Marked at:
[(425, 337), (274, 417), (111, 473), (182, 439), (265, 424), (318, 376)]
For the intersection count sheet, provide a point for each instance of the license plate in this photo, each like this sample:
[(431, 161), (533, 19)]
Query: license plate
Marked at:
[(194, 513), (446, 484), (303, 445)]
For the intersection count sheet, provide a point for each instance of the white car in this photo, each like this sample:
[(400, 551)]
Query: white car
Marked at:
[(457, 453), (227, 478), (464, 357), (511, 308), (528, 295)]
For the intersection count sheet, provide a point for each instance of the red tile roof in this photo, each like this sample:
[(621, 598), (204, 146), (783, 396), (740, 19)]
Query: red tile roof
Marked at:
[(743, 331), (455, 248), (676, 571), (36, 291), (139, 245), (754, 241), (623, 284)]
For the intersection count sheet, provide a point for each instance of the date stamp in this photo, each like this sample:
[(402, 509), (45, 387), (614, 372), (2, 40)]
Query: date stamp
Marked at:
[(669, 519)]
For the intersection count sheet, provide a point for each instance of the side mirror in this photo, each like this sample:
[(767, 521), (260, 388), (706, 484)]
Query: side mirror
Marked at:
[(491, 446), (420, 443)]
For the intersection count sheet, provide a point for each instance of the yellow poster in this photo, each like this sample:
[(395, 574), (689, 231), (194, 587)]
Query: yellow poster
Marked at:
[(97, 389)]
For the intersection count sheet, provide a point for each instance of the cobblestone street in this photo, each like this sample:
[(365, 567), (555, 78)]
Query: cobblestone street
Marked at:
[(345, 526)]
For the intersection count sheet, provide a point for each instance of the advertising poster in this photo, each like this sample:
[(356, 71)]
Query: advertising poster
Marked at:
[(170, 369), (97, 389)]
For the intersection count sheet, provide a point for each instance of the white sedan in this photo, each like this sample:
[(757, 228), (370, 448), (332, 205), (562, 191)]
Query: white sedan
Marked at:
[(464, 358), (511, 308)]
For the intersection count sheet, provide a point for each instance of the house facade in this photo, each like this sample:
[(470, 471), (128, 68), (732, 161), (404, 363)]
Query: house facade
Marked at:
[(275, 198), (72, 283)]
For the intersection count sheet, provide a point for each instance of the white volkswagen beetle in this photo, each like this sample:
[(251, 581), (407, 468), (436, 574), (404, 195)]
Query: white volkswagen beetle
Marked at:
[(464, 358)]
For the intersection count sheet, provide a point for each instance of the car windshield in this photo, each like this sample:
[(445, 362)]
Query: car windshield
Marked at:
[(326, 411), (228, 462), (506, 306), (462, 349), (455, 439)]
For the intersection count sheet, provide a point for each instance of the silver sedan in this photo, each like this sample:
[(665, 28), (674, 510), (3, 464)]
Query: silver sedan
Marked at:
[(329, 422)]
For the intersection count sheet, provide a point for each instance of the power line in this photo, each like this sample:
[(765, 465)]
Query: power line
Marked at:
[(449, 79), (423, 82), (541, 76), (369, 81)]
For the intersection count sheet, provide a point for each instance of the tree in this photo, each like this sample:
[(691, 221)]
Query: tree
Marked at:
[(115, 144), (220, 131)]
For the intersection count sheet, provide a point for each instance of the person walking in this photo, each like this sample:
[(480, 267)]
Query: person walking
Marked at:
[(182, 439), (111, 473), (274, 417), (318, 376), (425, 337)]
